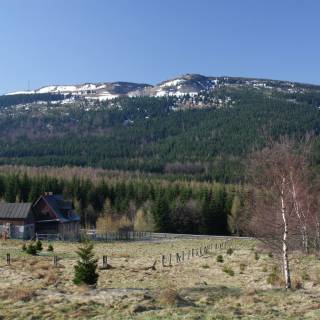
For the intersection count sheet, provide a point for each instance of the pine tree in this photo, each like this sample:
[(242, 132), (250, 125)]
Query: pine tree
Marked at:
[(25, 188), (207, 221), (39, 245), (86, 268), (11, 189), (161, 214), (220, 225)]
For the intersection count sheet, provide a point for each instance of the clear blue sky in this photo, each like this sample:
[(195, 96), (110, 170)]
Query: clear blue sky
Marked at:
[(75, 41)]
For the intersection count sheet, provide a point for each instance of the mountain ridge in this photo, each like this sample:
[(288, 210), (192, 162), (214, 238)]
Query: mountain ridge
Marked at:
[(190, 84)]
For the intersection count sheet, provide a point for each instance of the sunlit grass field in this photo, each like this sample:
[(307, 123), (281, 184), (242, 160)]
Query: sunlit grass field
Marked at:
[(242, 283)]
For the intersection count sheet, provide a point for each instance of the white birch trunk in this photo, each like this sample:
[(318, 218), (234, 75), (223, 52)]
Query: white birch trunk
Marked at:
[(285, 258)]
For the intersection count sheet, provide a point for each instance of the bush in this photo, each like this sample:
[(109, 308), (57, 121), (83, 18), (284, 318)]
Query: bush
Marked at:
[(31, 249), (256, 256), (230, 251), (297, 283), (24, 247), (242, 267), (205, 266), (50, 247), (39, 245), (273, 278), (85, 270), (170, 297), (305, 276), (270, 255), (220, 258), (228, 271)]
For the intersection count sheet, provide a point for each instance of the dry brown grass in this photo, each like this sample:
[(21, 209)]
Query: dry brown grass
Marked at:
[(207, 293), (51, 278), (18, 294)]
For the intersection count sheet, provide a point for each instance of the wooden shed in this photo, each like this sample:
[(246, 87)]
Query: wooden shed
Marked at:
[(17, 220)]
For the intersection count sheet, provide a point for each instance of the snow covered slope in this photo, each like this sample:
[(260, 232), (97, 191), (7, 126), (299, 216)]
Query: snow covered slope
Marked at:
[(191, 84)]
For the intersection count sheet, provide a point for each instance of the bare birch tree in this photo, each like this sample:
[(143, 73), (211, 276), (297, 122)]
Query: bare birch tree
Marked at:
[(281, 203)]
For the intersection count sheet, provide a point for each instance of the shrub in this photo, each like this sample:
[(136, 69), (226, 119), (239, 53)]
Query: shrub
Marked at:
[(256, 256), (85, 270), (305, 276), (39, 245), (24, 247), (50, 247), (270, 255), (31, 249), (242, 267), (170, 297), (220, 258), (273, 278), (297, 283), (264, 269), (205, 266), (230, 251), (228, 271)]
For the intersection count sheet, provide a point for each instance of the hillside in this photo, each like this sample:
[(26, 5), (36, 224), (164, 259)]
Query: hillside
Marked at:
[(204, 126)]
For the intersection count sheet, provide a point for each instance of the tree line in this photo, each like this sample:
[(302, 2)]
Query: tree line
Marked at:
[(144, 203)]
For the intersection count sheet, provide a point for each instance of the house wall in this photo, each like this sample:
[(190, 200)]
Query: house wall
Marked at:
[(69, 230), (47, 227), (17, 222), (18, 231), (43, 212)]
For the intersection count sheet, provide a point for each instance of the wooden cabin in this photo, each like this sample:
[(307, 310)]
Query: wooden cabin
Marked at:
[(56, 216), (50, 216)]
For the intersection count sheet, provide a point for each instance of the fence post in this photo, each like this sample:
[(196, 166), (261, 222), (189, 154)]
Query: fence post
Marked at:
[(178, 257), (8, 259), (55, 261), (170, 264), (162, 260), (104, 262), (182, 255), (192, 252)]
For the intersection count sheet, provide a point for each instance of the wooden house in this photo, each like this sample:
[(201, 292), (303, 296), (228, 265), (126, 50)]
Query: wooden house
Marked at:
[(55, 216), (49, 216)]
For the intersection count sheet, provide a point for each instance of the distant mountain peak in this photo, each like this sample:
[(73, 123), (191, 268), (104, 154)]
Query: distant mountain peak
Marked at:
[(190, 83)]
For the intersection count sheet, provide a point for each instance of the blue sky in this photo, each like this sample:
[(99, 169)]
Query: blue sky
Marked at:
[(75, 41)]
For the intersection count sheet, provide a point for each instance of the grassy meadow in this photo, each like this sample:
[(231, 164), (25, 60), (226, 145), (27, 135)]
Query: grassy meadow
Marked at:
[(242, 283)]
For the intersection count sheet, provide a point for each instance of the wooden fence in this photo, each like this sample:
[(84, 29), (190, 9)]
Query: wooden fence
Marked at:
[(116, 236), (167, 260)]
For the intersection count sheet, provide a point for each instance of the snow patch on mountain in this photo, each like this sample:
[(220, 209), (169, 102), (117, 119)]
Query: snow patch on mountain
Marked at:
[(19, 92), (172, 83)]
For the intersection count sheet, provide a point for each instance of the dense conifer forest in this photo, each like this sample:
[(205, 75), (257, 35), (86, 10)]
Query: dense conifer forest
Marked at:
[(184, 136), (168, 206)]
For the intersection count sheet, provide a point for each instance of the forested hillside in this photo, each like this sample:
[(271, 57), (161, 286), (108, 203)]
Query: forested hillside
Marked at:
[(207, 136)]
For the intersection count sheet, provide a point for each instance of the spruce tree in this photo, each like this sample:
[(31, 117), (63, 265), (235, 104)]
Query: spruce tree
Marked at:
[(207, 214), (161, 214), (86, 268)]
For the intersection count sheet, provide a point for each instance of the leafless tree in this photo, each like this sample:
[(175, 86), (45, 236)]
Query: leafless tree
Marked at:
[(282, 210)]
